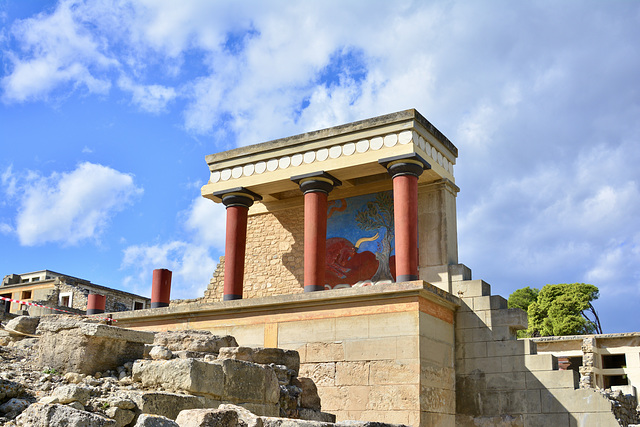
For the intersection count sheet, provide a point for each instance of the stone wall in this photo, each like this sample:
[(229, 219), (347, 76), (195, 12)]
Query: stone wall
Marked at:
[(274, 258)]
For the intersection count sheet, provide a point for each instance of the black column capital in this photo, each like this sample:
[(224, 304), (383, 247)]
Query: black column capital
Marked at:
[(238, 196), (316, 182), (405, 164)]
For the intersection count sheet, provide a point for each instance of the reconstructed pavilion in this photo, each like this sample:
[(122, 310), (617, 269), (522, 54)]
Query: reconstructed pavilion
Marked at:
[(342, 244)]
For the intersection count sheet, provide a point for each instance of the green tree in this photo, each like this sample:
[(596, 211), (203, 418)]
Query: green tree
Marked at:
[(562, 309), (522, 298), (379, 214)]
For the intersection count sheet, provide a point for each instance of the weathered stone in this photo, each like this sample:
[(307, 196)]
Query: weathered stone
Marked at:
[(74, 377), (39, 414), (151, 420), (71, 393), (188, 375), (208, 417), (14, 406), (202, 341), (123, 402), (24, 324), (312, 415), (244, 415), (249, 382), (309, 397), (288, 422), (264, 356), (166, 404), (159, 352), (76, 405), (9, 389), (122, 417), (88, 347)]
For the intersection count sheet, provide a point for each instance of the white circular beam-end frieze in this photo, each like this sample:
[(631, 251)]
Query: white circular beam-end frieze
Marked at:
[(349, 148), (309, 157), (248, 169), (405, 137), (335, 151), (377, 143), (284, 162), (261, 167), (225, 174), (390, 140), (272, 165), (362, 146), (296, 159), (322, 155), (236, 172), (215, 177)]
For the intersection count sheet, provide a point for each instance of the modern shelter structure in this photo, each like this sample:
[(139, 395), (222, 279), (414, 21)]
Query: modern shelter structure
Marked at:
[(342, 244)]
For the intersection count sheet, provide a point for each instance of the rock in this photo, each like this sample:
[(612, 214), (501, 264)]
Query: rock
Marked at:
[(309, 398), (159, 352), (190, 375), (13, 407), (201, 341), (76, 405), (122, 402), (24, 324), (311, 415), (71, 393), (87, 348), (208, 417), (150, 420), (122, 417), (263, 356), (9, 389), (73, 377), (39, 414), (246, 416), (166, 404)]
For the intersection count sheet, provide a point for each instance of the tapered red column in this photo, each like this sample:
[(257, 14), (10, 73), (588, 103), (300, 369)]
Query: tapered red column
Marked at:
[(404, 171), (161, 288), (237, 201), (96, 303), (316, 188)]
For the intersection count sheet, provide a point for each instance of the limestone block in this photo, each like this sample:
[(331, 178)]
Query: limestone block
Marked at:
[(601, 419), (472, 350), (552, 379), (574, 401), (505, 381), (408, 347), (493, 302), (505, 420), (194, 340), (324, 352), (208, 417), (309, 398), (436, 329), (87, 348), (167, 404), (394, 397), (71, 393), (352, 373), (433, 375), (159, 352), (122, 417), (546, 420), (24, 324), (393, 324), (371, 349), (352, 327), (437, 400), (386, 372), (541, 362), (473, 334), (512, 317), (506, 348), (9, 389), (249, 382), (470, 319), (39, 414), (288, 422), (262, 355), (323, 374), (190, 375), (244, 415), (151, 420), (297, 332), (436, 351), (471, 288)]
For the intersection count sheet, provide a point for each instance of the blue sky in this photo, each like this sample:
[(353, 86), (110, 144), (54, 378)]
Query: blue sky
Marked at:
[(108, 108)]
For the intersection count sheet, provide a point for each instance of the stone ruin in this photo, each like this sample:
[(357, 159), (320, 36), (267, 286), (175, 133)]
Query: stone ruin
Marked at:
[(66, 370)]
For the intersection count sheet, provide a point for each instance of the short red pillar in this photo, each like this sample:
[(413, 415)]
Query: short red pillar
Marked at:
[(404, 171), (316, 188), (237, 201), (161, 288), (96, 303)]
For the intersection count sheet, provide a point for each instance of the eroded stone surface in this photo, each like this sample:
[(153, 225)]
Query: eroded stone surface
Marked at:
[(200, 341), (40, 414)]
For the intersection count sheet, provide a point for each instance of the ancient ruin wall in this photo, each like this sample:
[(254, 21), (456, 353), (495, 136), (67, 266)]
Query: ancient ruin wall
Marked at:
[(274, 258)]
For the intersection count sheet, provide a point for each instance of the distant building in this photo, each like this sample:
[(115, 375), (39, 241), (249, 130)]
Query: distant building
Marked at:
[(51, 289)]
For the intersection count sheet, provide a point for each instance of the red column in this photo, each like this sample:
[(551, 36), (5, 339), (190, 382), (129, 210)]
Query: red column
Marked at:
[(161, 288), (315, 240), (237, 201), (404, 171), (315, 187), (96, 303)]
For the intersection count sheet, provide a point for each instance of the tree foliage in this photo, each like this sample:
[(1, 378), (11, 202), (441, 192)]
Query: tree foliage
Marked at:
[(562, 309)]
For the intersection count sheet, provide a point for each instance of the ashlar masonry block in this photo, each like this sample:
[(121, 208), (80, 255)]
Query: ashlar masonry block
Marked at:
[(471, 288)]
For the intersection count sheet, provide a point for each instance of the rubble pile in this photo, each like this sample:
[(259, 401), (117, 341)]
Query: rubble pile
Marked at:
[(67, 370)]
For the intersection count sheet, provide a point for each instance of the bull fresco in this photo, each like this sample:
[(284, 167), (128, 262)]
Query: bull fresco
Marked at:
[(360, 241)]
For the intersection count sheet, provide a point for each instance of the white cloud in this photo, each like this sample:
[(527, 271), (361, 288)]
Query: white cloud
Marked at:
[(70, 207), (55, 49), (150, 98), (190, 260)]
